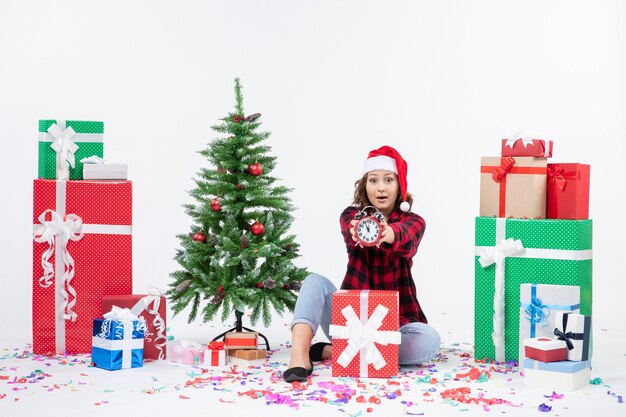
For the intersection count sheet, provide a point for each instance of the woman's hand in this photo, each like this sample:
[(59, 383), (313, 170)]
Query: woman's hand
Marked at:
[(353, 229), (387, 235)]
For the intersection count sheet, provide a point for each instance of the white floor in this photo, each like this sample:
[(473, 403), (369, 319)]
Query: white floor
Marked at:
[(68, 386)]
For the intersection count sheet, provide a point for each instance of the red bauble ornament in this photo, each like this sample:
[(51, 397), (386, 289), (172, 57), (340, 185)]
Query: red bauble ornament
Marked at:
[(257, 228), (215, 205), (259, 285), (255, 169), (199, 237), (220, 289), (285, 286), (241, 187), (236, 119)]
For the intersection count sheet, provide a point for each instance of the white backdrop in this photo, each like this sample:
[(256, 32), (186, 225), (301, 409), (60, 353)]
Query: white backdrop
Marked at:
[(441, 81)]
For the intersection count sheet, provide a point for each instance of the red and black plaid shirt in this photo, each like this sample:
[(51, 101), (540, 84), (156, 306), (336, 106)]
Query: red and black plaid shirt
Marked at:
[(387, 267)]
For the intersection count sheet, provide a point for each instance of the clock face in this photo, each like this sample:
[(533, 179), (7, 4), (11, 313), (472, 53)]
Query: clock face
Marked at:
[(368, 231)]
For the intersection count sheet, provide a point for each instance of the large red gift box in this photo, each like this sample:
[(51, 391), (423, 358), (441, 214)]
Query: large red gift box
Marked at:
[(568, 191), (152, 309), (540, 148), (365, 333), (82, 251)]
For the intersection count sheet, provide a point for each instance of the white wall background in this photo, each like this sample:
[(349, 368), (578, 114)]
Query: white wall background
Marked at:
[(442, 81)]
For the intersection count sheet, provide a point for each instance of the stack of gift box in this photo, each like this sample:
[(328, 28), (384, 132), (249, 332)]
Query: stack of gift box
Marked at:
[(241, 345), (82, 253), (533, 259)]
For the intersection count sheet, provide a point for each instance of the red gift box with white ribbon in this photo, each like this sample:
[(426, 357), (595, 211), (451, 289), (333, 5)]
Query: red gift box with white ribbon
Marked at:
[(82, 252), (150, 307), (523, 146), (365, 333)]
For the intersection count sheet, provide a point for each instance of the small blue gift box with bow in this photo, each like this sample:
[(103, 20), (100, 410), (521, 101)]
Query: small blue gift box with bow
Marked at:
[(117, 341)]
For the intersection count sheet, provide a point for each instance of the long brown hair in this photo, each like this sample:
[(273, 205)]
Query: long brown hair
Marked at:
[(360, 195)]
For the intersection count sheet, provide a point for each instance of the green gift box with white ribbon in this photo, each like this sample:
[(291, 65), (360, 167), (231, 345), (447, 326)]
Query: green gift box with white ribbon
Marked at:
[(510, 252), (63, 143)]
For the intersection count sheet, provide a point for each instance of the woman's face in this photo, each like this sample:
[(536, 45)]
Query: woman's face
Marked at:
[(382, 190)]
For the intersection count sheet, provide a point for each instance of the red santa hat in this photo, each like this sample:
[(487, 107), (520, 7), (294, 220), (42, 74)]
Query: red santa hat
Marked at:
[(388, 159)]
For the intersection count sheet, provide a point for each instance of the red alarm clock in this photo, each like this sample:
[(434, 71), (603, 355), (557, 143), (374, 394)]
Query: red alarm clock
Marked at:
[(368, 227)]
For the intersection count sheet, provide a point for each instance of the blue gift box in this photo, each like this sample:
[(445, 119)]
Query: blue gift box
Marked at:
[(117, 344)]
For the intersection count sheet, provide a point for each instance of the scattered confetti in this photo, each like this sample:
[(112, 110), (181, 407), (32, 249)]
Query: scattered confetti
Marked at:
[(544, 408)]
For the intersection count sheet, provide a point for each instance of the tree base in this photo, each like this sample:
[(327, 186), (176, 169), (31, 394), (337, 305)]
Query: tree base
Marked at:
[(239, 327)]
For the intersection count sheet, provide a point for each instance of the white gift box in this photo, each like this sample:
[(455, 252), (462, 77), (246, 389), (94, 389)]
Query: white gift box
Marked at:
[(105, 171), (539, 304), (214, 357), (563, 375), (576, 328)]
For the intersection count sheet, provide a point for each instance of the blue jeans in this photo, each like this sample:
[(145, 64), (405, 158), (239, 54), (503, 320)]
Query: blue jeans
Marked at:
[(419, 341)]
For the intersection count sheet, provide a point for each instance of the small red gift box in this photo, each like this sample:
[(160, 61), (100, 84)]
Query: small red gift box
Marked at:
[(82, 251), (365, 333), (152, 309), (545, 349), (539, 148), (568, 191), (215, 355), (241, 340)]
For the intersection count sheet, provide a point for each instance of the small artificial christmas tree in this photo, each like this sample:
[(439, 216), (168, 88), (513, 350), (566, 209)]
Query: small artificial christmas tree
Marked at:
[(238, 254)]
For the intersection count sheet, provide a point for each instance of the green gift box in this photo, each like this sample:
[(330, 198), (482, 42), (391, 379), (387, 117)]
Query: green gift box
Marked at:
[(510, 252), (86, 136)]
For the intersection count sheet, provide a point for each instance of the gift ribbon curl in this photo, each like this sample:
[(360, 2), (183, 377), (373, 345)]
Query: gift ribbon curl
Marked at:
[(57, 232), (363, 337), (158, 322), (497, 255)]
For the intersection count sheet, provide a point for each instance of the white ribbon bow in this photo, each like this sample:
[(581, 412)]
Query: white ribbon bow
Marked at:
[(65, 148), (362, 337), (160, 340), (57, 232), (526, 140), (497, 255)]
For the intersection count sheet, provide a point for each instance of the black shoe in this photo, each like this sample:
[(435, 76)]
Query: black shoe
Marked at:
[(297, 373), (315, 351)]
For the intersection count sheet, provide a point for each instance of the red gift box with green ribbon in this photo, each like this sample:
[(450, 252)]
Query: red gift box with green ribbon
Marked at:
[(82, 252), (568, 191)]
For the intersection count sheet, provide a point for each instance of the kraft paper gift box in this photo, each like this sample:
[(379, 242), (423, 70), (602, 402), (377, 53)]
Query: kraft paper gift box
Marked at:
[(540, 148), (510, 252), (117, 341), (82, 252), (538, 308), (65, 141), (187, 352), (568, 191), (545, 349), (513, 187), (575, 330), (215, 354), (248, 354), (564, 375), (152, 309), (365, 333), (105, 171), (241, 340)]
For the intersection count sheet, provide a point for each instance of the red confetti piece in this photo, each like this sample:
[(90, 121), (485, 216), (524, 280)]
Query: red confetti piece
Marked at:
[(370, 409), (4, 377), (182, 397)]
